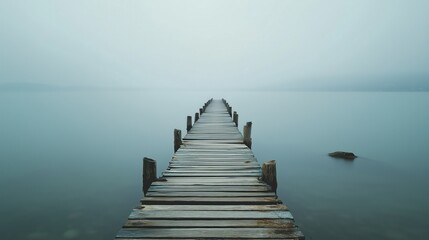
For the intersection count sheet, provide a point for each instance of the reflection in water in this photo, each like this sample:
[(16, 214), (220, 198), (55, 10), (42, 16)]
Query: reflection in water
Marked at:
[(71, 162)]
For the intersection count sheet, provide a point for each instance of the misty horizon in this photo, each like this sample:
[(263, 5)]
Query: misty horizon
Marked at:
[(410, 84), (216, 45)]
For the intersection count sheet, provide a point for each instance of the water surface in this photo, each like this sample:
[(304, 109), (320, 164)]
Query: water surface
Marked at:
[(70, 163)]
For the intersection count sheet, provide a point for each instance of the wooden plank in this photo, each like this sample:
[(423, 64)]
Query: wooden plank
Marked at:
[(274, 207), (231, 141), (213, 170), (169, 188), (216, 134), (215, 155), (215, 137), (178, 183), (213, 147), (199, 144), (202, 170), (205, 215), (215, 151), (224, 223), (215, 163), (204, 160), (210, 233), (202, 180), (225, 158), (226, 174), (210, 200), (212, 174), (208, 194)]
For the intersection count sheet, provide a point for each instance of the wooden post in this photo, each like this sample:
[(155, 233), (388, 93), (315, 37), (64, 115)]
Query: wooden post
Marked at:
[(230, 111), (177, 139), (235, 118), (247, 134), (197, 116), (269, 174), (201, 111), (149, 173), (188, 123)]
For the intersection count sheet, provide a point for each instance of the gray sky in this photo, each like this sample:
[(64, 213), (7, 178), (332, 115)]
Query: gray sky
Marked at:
[(289, 44)]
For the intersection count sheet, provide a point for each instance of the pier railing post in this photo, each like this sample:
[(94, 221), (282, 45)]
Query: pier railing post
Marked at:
[(235, 118), (188, 123), (269, 174), (247, 134), (228, 108), (149, 173), (197, 116), (177, 139), (201, 111)]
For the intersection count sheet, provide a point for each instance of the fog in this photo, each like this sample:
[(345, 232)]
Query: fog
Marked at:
[(70, 164), (217, 45)]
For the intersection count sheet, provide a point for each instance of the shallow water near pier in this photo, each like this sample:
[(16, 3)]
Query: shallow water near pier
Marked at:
[(70, 162)]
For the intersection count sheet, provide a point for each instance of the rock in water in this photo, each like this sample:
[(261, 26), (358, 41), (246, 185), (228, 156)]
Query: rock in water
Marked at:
[(344, 155)]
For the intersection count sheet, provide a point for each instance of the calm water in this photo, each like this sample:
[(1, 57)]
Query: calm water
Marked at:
[(70, 162)]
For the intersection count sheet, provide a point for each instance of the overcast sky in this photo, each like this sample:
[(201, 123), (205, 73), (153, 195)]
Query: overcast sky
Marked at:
[(288, 44)]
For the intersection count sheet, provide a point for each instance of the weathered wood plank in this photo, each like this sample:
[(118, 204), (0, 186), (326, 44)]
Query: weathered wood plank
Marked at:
[(211, 168), (214, 141), (224, 158), (216, 167), (215, 137), (211, 200), (214, 156), (213, 164), (210, 171), (210, 233), (224, 223), (207, 174), (215, 151), (274, 207), (204, 160), (237, 215), (201, 180), (197, 188), (208, 194), (178, 183)]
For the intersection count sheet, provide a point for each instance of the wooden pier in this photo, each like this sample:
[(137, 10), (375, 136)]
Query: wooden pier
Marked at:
[(214, 188)]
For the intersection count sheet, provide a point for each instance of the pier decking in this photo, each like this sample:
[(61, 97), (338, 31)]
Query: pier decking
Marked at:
[(212, 189)]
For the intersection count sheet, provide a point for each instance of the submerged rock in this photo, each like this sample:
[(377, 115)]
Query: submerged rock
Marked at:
[(343, 155)]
